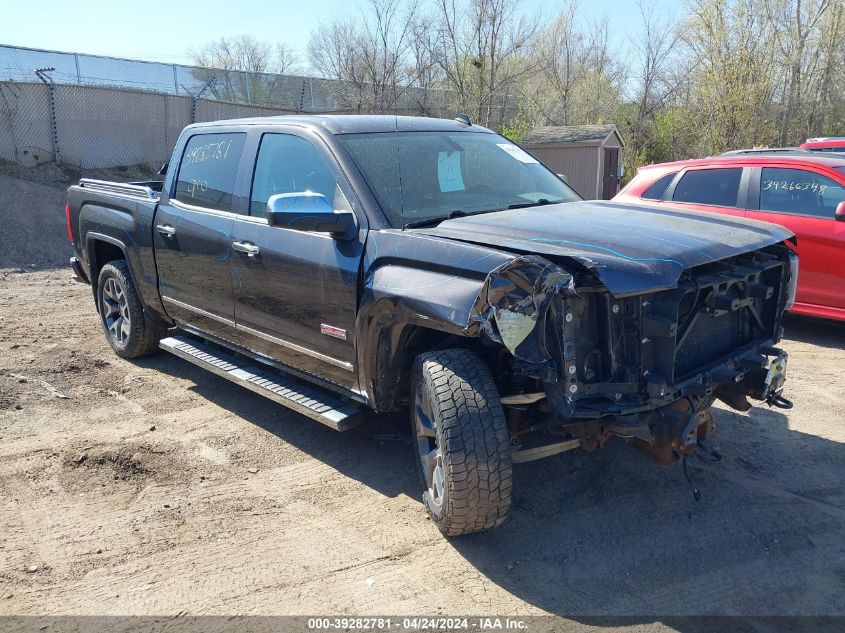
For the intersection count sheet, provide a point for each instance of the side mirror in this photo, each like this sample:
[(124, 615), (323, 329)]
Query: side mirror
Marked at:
[(309, 211), (840, 211)]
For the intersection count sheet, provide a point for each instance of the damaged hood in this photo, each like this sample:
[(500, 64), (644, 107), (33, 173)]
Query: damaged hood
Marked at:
[(630, 248)]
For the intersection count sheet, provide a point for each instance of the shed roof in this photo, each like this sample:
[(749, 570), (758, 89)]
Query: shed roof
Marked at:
[(549, 134)]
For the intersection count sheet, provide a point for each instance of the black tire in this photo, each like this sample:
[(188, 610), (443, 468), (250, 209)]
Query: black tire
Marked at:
[(468, 428), (117, 299)]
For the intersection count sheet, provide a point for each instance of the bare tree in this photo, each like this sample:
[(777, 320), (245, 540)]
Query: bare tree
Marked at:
[(655, 73), (653, 79), (245, 68), (729, 73), (425, 74), (370, 55), (578, 80), (562, 58), (246, 53), (730, 45), (482, 47), (827, 82), (796, 22), (606, 76)]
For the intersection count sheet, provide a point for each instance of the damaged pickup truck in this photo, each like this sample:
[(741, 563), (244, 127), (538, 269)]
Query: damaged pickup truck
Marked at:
[(339, 264)]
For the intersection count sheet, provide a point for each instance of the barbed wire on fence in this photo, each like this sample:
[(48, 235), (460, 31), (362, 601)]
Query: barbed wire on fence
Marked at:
[(91, 111), (294, 92)]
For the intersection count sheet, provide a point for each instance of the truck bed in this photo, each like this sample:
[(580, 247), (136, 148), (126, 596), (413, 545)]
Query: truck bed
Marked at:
[(114, 220), (149, 189)]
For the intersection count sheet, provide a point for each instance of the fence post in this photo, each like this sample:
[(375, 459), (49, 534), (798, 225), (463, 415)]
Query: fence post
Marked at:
[(54, 128), (78, 74), (175, 81), (195, 98)]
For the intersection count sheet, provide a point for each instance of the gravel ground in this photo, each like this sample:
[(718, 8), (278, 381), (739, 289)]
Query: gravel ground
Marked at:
[(151, 487)]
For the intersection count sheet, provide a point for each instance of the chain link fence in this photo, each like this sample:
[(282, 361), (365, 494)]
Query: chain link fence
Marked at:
[(100, 127), (288, 92), (91, 112)]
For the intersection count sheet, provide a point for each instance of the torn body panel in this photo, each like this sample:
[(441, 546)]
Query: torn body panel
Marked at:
[(517, 296), (642, 364), (584, 361), (416, 281)]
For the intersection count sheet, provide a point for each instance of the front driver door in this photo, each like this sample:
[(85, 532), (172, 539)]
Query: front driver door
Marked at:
[(191, 235), (296, 291)]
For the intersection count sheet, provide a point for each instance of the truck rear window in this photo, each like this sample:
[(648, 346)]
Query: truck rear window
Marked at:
[(208, 168)]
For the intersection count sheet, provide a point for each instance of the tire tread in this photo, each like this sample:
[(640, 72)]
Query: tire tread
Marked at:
[(144, 336), (476, 447)]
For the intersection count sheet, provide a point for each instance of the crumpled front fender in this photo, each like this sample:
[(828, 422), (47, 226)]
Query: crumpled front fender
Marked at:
[(414, 281), (514, 301)]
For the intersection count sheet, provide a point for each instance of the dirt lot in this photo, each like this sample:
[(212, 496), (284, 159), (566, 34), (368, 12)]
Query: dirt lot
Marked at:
[(151, 487)]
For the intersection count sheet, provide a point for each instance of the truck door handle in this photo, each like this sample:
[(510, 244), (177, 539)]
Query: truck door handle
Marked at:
[(248, 248), (166, 230)]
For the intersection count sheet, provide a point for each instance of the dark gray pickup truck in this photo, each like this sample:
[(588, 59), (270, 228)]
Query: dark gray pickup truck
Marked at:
[(338, 264)]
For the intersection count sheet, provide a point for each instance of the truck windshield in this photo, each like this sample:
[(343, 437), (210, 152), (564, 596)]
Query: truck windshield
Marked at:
[(423, 177)]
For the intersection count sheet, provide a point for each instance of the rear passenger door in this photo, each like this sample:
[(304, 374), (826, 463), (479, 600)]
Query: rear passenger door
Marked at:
[(296, 291), (191, 233), (804, 201), (719, 189)]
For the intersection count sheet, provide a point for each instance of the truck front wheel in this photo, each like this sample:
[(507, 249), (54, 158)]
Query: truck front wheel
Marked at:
[(461, 442), (127, 329)]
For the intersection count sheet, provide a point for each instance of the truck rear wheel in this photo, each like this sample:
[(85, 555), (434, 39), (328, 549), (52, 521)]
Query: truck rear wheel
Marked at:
[(127, 329), (461, 445)]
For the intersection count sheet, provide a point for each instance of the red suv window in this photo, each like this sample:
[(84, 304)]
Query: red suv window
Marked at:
[(799, 191), (718, 187), (656, 190)]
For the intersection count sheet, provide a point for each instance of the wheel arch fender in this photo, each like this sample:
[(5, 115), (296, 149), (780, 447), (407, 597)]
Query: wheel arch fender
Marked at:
[(384, 351), (507, 306), (100, 248), (98, 256)]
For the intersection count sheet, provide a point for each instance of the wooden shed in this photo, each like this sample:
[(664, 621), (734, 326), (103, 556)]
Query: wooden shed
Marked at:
[(589, 157)]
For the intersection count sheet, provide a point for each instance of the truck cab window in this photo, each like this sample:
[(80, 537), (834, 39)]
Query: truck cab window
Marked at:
[(288, 164), (424, 176), (709, 186), (207, 171), (800, 192)]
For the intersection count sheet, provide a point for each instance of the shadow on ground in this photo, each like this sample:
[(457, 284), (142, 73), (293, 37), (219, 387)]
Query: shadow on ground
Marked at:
[(609, 538), (378, 453), (815, 331)]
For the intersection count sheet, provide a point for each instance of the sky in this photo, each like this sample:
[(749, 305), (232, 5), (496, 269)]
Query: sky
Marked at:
[(166, 31)]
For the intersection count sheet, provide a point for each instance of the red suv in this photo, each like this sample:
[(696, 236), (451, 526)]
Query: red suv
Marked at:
[(825, 144), (803, 192)]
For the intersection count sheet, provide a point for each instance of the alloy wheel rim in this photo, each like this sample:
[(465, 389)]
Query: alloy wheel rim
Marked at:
[(116, 311), (429, 451)]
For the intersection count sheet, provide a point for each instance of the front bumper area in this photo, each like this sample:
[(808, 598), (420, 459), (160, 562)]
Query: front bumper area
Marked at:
[(649, 366), (676, 419)]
